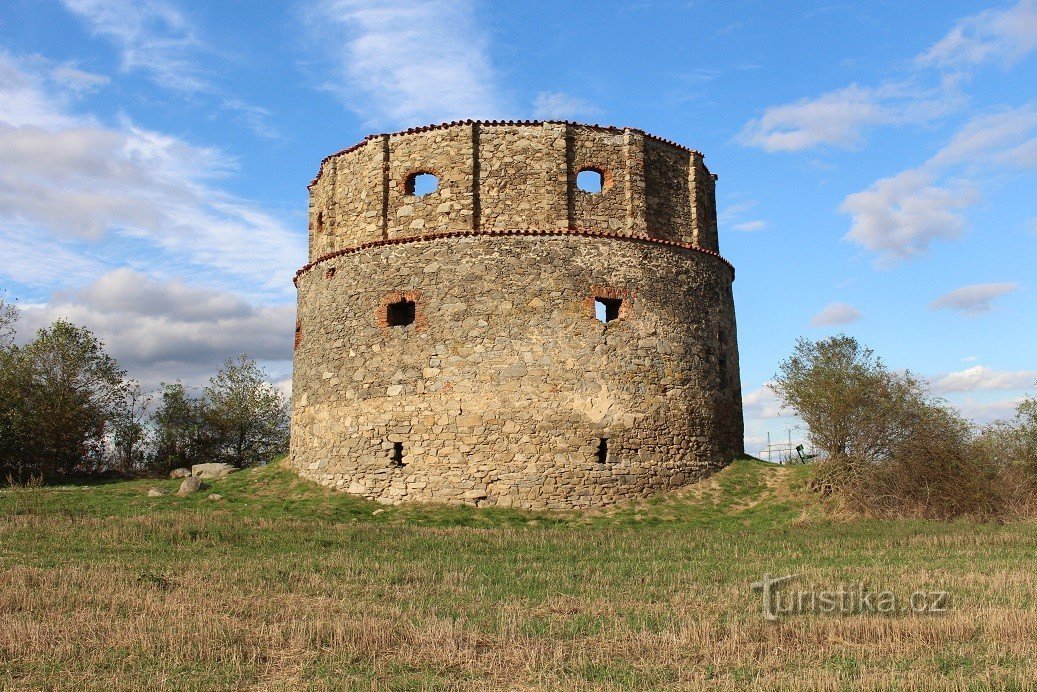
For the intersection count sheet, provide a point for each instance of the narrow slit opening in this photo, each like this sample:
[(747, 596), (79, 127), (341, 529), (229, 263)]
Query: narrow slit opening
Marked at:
[(603, 450), (397, 455)]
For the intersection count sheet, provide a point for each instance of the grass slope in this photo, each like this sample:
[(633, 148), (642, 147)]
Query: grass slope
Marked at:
[(283, 585)]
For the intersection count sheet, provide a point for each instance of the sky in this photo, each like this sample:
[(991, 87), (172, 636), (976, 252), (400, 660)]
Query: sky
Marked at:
[(877, 161)]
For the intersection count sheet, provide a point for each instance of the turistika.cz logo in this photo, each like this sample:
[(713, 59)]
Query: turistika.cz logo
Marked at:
[(846, 599)]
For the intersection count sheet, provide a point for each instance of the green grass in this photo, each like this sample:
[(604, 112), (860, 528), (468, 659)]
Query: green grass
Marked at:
[(283, 585)]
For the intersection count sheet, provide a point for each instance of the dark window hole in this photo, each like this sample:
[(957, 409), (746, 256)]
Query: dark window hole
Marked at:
[(401, 313), (397, 455), (603, 450)]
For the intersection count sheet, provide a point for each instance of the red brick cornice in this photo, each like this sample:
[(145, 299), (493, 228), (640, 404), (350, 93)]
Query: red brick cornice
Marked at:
[(584, 233), (497, 123)]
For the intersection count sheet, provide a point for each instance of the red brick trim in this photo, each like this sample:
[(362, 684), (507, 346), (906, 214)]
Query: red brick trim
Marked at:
[(382, 312), (610, 292), (607, 180), (496, 123), (406, 181), (584, 233)]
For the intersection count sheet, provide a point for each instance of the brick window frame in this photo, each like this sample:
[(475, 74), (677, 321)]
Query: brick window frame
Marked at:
[(607, 179), (382, 312), (613, 292)]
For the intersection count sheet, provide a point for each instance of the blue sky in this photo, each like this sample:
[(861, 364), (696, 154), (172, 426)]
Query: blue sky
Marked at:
[(877, 160)]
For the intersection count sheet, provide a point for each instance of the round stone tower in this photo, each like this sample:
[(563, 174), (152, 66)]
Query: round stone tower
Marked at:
[(476, 327)]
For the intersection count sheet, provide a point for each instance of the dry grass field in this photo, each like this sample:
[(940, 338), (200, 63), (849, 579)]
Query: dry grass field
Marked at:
[(281, 585)]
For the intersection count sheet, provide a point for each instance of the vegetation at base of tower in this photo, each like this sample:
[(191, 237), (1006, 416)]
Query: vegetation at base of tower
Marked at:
[(282, 584), (68, 409), (892, 448)]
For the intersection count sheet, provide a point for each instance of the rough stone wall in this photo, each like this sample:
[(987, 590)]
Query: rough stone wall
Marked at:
[(505, 385), (502, 389), (509, 176)]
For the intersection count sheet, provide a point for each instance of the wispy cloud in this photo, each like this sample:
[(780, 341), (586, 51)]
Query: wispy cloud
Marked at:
[(835, 314), (406, 62), (560, 106), (1001, 35), (762, 403), (68, 179), (980, 377), (152, 36), (734, 215), (974, 299), (840, 118)]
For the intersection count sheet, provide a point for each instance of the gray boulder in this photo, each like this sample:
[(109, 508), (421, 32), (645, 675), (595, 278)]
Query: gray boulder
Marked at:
[(179, 473), (190, 485), (213, 471)]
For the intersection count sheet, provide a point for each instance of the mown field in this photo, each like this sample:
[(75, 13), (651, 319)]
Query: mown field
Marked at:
[(281, 585)]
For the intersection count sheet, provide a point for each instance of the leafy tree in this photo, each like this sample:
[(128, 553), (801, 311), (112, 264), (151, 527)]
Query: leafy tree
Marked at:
[(247, 416), (180, 429), (852, 404), (63, 394)]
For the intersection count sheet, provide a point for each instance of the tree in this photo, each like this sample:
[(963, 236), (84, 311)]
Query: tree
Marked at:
[(8, 316), (854, 407), (63, 394), (180, 430), (130, 436), (247, 415)]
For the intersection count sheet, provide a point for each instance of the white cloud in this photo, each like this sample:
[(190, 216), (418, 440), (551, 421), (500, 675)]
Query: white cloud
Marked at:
[(762, 403), (1004, 136), (77, 80), (559, 106), (162, 331), (152, 36), (974, 299), (980, 377), (734, 215), (1004, 36), (68, 178), (982, 412), (407, 62), (969, 359), (834, 314), (840, 117), (898, 218)]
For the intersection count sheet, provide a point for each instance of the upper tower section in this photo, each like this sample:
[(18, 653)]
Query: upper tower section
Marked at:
[(501, 176)]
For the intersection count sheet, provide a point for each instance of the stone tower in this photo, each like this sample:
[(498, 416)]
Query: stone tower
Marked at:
[(509, 338)]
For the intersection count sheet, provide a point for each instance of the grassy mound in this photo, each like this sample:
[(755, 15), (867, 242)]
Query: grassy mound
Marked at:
[(283, 585)]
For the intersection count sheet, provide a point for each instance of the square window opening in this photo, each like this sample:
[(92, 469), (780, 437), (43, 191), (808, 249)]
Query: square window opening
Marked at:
[(397, 455), (401, 313), (607, 309)]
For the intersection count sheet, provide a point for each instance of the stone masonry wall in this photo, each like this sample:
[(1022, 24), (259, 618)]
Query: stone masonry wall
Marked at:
[(508, 176), (503, 388)]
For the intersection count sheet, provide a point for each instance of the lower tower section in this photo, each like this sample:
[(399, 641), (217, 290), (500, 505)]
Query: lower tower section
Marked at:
[(521, 370)]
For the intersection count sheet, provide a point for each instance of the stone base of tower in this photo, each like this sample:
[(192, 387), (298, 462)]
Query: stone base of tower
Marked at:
[(505, 388)]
